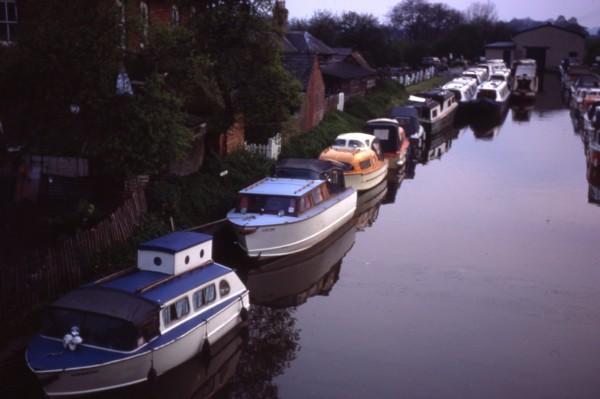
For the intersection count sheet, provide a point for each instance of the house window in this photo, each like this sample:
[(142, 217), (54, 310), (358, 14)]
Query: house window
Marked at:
[(174, 16), (176, 311), (145, 16), (8, 21), (121, 8)]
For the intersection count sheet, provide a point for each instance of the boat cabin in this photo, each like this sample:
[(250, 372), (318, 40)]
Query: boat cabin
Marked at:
[(433, 103), (282, 196), (464, 88), (389, 133), (408, 118), (313, 169), (494, 90), (477, 74), (175, 280)]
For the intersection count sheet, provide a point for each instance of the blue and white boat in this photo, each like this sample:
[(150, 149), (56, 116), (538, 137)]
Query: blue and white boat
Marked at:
[(139, 323)]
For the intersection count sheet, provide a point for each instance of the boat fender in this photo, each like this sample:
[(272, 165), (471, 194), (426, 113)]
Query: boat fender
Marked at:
[(73, 339), (151, 374), (244, 314)]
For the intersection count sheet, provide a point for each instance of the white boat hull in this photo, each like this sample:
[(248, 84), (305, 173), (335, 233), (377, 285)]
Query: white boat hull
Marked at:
[(363, 182), (269, 240)]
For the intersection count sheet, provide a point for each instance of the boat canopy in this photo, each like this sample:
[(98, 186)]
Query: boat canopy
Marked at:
[(386, 130), (109, 302), (105, 317), (316, 169), (407, 117)]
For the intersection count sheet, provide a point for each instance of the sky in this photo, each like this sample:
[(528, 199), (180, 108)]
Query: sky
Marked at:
[(587, 12)]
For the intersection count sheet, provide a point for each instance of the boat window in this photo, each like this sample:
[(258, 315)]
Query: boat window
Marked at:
[(95, 329), (366, 164), (224, 288), (204, 296), (317, 196), (339, 142), (271, 204), (324, 192), (434, 113), (355, 144), (176, 311), (157, 261)]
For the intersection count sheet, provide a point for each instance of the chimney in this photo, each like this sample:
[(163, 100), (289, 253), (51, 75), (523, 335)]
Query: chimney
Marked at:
[(280, 17)]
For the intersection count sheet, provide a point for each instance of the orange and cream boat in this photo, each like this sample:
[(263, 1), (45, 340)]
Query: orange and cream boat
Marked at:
[(361, 154)]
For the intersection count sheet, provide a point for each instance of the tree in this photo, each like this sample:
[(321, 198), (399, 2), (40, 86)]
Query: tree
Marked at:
[(482, 12), (244, 53), (420, 20), (323, 25), (363, 32)]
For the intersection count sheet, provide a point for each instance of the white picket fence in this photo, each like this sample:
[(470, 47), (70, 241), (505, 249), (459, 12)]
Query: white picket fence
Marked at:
[(270, 150), (413, 77)]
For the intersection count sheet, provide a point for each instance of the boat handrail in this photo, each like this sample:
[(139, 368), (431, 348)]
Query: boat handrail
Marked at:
[(115, 275)]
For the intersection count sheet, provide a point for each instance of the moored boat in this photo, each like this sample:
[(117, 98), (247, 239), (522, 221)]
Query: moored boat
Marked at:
[(525, 81), (362, 155), (408, 118), (282, 216), (464, 89), (437, 108), (393, 139), (139, 323), (492, 98)]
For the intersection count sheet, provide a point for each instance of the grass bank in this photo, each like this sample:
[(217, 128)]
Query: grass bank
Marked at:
[(357, 111)]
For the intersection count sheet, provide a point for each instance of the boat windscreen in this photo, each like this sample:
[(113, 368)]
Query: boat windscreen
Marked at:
[(491, 94), (98, 330), (270, 204)]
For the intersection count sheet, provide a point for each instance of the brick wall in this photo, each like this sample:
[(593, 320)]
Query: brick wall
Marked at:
[(233, 139), (313, 102)]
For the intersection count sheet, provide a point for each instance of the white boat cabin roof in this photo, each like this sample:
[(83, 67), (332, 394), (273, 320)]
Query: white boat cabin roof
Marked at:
[(459, 83), (282, 186), (384, 120), (354, 140), (492, 85)]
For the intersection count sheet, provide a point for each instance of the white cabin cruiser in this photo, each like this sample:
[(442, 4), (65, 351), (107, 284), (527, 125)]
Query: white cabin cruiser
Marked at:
[(525, 82), (282, 216), (464, 89), (139, 323), (477, 74), (492, 97)]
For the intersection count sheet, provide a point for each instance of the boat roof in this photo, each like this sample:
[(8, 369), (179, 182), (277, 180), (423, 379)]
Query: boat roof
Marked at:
[(282, 186), (364, 137), (173, 286), (492, 85), (313, 165), (175, 242), (459, 83), (423, 102), (397, 112), (108, 302), (437, 94), (383, 121)]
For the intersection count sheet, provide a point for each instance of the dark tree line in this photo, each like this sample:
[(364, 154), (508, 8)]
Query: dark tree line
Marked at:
[(418, 28)]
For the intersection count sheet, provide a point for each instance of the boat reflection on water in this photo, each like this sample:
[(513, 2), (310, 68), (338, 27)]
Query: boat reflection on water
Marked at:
[(593, 168), (434, 147), (198, 378), (488, 128), (367, 208), (394, 181), (291, 280), (521, 111)]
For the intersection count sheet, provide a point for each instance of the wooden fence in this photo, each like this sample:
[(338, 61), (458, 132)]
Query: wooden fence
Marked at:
[(41, 275)]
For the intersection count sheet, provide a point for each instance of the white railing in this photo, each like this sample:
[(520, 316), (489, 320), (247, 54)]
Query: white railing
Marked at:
[(408, 78), (270, 150)]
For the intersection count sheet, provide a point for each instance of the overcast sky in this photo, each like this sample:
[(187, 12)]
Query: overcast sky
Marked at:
[(587, 12)]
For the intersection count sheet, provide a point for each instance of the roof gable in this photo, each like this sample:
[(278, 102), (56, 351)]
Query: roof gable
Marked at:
[(549, 25)]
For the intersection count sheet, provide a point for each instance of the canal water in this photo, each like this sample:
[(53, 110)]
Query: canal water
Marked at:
[(473, 274)]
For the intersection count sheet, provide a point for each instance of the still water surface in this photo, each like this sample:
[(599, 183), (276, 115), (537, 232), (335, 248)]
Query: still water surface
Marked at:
[(476, 274)]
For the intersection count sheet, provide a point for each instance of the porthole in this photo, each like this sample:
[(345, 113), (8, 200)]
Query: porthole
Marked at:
[(201, 253), (157, 261), (187, 260), (224, 288)]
